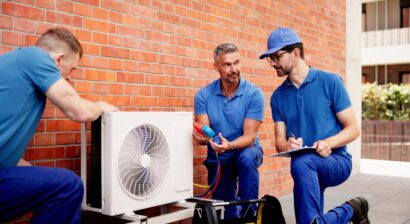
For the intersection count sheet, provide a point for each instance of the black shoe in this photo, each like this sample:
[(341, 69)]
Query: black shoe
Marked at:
[(360, 209)]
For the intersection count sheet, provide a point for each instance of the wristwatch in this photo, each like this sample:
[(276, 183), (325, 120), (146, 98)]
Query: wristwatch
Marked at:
[(233, 146)]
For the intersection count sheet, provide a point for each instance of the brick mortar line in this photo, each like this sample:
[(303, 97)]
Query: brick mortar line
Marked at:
[(387, 143)]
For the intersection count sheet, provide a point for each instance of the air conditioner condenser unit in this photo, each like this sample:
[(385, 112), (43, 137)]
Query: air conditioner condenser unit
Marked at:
[(140, 160)]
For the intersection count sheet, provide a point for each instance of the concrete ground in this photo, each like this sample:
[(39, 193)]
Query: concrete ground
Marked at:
[(388, 194)]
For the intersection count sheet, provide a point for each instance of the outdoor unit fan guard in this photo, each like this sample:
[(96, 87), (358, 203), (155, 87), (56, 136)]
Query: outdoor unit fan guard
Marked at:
[(143, 161)]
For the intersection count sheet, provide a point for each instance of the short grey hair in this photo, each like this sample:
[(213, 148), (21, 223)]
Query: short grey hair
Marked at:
[(55, 39), (225, 48)]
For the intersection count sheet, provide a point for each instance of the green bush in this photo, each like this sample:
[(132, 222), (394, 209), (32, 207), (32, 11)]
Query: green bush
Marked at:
[(386, 102)]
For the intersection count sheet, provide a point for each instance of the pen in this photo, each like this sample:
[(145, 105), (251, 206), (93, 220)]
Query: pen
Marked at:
[(293, 136)]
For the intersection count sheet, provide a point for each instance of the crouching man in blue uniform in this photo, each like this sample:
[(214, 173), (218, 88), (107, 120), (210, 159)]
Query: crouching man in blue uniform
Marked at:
[(234, 108), (312, 108), (29, 76)]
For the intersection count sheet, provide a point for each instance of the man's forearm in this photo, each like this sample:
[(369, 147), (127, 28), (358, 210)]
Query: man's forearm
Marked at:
[(23, 162), (281, 145), (344, 137), (242, 142), (84, 111)]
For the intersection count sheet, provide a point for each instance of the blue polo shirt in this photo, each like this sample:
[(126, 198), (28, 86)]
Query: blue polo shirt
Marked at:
[(310, 111), (227, 115), (25, 76)]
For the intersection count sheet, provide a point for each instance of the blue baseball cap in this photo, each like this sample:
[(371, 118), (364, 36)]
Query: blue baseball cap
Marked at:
[(279, 39)]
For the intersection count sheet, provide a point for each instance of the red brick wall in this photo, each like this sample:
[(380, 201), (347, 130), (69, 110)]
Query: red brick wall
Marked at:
[(150, 55), (386, 140)]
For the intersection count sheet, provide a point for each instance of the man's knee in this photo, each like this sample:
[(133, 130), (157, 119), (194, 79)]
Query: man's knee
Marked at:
[(250, 157), (302, 163), (70, 183)]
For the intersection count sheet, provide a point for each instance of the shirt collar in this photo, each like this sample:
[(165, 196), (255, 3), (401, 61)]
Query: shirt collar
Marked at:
[(312, 74)]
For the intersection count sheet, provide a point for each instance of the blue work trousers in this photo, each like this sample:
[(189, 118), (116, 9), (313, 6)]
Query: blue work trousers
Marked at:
[(54, 195), (312, 174), (241, 170)]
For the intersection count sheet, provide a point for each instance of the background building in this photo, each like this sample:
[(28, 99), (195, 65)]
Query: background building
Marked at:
[(386, 41)]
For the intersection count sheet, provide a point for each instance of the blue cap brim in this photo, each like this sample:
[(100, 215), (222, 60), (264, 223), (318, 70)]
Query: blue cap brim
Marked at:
[(270, 51)]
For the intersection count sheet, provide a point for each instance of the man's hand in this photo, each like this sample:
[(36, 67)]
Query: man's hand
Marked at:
[(322, 148), (199, 138), (294, 143), (23, 162), (106, 107), (223, 147)]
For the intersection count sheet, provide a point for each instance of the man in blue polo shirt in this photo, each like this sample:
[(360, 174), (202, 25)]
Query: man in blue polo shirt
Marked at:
[(29, 76), (312, 108), (234, 108)]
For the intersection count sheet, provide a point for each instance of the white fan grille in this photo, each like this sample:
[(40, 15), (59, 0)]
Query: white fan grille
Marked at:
[(143, 161)]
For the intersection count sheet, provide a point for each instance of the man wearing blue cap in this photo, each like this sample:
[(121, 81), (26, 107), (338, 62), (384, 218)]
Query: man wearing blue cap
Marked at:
[(234, 108), (312, 108)]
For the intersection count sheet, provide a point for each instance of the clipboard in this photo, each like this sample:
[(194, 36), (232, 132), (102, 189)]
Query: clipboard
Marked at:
[(293, 152)]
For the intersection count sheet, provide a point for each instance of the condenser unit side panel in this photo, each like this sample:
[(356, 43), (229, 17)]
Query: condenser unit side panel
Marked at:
[(182, 156), (108, 152)]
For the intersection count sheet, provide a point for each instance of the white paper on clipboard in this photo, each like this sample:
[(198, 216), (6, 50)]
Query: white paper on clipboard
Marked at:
[(292, 152)]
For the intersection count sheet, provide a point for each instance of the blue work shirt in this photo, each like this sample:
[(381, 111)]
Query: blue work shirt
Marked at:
[(25, 76), (227, 116), (310, 111)]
